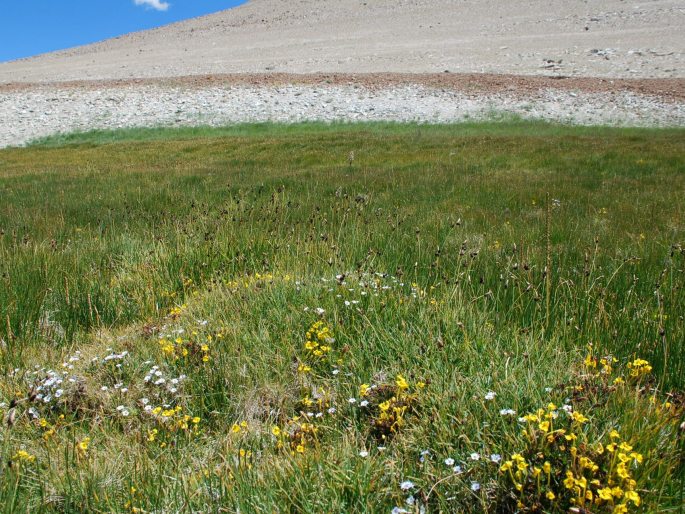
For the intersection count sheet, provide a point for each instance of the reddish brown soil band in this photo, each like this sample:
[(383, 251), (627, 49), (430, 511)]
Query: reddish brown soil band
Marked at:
[(669, 89)]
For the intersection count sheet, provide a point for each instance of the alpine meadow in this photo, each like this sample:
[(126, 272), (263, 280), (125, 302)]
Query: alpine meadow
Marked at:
[(362, 317)]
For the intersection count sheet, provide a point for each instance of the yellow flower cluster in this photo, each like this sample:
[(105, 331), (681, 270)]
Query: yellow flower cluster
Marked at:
[(317, 346), (391, 415), (298, 434), (563, 470), (171, 421), (23, 456), (639, 367), (318, 340), (49, 430), (604, 366), (301, 431), (192, 349), (389, 405), (239, 428)]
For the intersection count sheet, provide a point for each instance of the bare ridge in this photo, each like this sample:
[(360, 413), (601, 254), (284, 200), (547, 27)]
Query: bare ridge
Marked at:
[(600, 38)]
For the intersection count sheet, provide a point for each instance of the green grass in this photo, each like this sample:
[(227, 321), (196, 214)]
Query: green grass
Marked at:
[(443, 234), (508, 125)]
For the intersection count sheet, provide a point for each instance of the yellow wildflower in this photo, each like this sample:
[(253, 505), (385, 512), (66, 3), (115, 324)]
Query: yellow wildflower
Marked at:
[(579, 418), (401, 383), (83, 445), (605, 494), (633, 497), (639, 367), (621, 471), (569, 482), (22, 455)]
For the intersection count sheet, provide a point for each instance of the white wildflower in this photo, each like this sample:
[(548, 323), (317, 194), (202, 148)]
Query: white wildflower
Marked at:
[(406, 485)]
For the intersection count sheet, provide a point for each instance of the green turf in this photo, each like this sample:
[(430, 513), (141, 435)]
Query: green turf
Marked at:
[(443, 233), (505, 125)]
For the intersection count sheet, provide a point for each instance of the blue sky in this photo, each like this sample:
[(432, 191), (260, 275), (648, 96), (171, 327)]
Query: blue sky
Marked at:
[(30, 27)]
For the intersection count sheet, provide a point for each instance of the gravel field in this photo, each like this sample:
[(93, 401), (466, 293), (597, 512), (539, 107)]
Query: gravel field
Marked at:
[(46, 110)]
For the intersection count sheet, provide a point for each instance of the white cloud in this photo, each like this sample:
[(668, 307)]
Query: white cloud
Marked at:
[(158, 5)]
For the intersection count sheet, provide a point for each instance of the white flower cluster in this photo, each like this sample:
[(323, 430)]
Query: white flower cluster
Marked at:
[(52, 385), (155, 377)]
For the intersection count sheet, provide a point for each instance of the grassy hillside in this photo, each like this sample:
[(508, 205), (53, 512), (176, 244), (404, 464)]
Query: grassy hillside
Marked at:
[(266, 318)]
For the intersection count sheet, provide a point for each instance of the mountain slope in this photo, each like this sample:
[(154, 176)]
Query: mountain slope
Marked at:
[(609, 38)]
